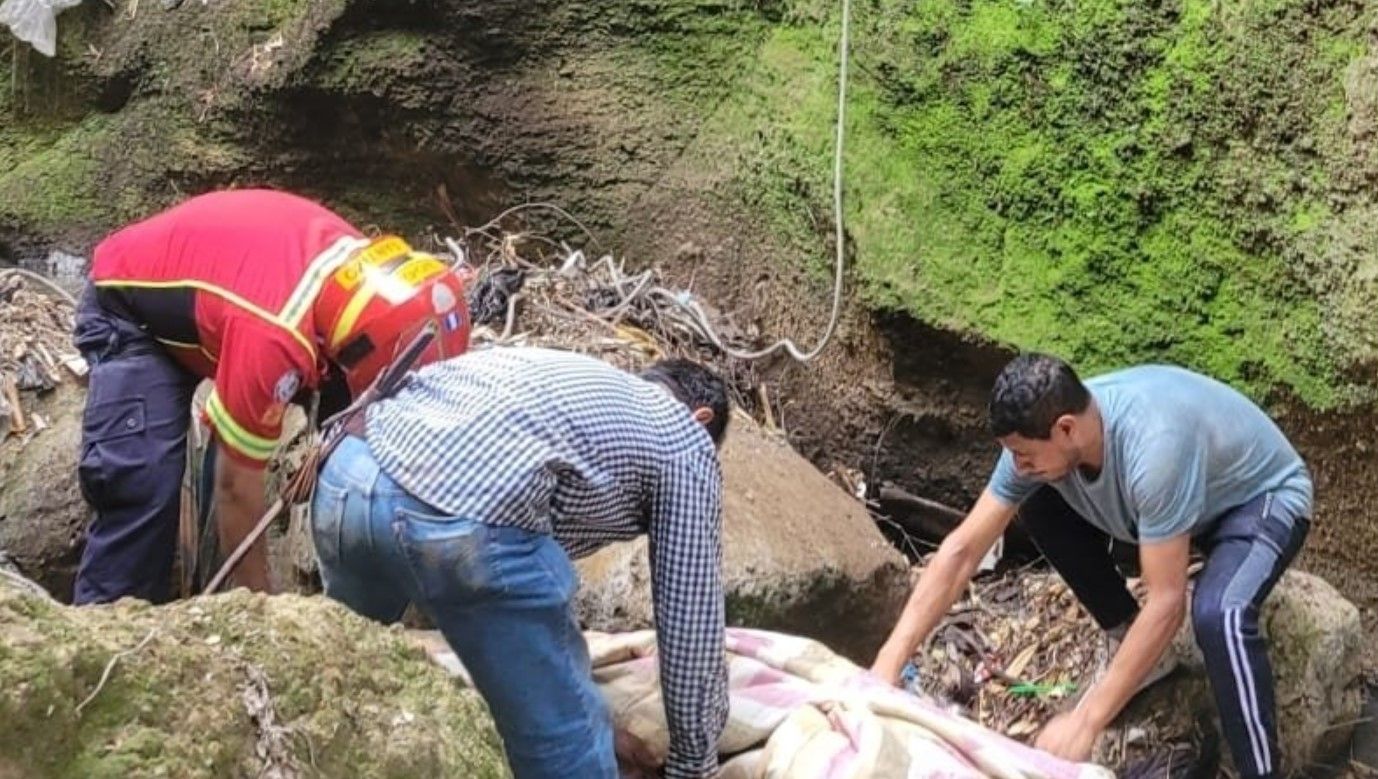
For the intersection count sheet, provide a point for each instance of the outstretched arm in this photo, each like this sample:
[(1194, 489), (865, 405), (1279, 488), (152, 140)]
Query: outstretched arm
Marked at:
[(942, 582), (686, 589)]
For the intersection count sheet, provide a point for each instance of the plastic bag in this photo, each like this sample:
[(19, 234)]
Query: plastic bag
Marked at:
[(35, 21)]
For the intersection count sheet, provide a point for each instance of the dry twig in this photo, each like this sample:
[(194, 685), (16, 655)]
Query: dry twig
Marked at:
[(273, 743), (110, 667), (595, 306)]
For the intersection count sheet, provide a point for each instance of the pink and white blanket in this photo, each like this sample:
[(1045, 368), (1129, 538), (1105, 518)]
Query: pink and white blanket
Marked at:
[(799, 711)]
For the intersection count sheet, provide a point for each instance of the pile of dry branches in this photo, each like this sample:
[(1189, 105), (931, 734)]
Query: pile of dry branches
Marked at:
[(533, 291), (36, 352), (1015, 651)]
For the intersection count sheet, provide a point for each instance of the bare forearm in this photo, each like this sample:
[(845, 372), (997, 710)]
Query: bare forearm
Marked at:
[(237, 512), (939, 586), (942, 581), (1143, 645)]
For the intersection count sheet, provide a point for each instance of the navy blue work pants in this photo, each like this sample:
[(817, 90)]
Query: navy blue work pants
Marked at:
[(1247, 549), (133, 454)]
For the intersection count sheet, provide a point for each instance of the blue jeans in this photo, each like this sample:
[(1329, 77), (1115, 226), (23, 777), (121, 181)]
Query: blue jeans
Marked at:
[(500, 595)]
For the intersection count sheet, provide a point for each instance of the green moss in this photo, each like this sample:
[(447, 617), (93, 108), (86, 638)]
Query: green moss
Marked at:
[(49, 183), (68, 168), (688, 54), (107, 168), (1113, 181), (354, 699), (368, 62)]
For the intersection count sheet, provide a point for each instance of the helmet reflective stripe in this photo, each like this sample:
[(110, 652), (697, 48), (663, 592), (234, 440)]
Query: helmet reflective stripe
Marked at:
[(345, 325), (395, 281)]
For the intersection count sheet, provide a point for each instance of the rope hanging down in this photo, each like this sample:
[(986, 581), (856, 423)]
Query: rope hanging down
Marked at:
[(785, 343), (696, 318)]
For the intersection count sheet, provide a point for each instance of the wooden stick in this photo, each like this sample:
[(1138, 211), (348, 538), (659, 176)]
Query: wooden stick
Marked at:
[(243, 548), (17, 422), (900, 495), (765, 406), (187, 522), (49, 364), (921, 517)]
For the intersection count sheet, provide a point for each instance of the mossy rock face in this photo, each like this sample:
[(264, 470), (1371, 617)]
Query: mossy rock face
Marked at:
[(1111, 180), (232, 685), (138, 109)]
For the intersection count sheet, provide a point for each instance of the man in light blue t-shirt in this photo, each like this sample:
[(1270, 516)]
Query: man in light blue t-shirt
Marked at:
[(1162, 458)]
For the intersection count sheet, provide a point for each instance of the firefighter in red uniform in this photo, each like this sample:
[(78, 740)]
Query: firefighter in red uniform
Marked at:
[(269, 295)]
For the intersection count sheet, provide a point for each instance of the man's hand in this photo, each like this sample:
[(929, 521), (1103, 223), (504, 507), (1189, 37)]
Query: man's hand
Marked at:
[(238, 507), (633, 753), (1164, 568), (942, 582), (1068, 736)]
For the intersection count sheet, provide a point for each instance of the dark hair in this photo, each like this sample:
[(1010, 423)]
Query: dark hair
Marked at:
[(696, 386), (1031, 393)]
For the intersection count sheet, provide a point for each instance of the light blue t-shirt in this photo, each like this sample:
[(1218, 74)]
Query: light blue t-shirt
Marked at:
[(1180, 450)]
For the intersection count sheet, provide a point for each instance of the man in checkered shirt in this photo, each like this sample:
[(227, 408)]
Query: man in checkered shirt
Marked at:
[(470, 491)]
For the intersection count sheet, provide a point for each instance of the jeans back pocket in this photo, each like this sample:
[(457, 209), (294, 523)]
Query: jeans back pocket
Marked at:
[(327, 521), (445, 555)]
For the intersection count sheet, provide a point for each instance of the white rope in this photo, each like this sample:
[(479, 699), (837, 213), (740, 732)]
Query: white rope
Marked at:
[(23, 583), (698, 319), (788, 345)]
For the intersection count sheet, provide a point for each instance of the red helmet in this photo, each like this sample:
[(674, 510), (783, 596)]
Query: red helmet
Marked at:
[(379, 299)]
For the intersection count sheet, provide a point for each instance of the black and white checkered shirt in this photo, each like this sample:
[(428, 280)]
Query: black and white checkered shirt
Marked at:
[(560, 443)]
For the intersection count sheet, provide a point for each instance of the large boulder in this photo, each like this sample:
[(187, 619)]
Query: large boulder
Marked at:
[(1314, 638), (232, 685), (799, 556), (42, 513)]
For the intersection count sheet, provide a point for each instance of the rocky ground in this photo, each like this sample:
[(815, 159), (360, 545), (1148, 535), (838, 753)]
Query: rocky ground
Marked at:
[(801, 555), (1186, 181), (236, 685)]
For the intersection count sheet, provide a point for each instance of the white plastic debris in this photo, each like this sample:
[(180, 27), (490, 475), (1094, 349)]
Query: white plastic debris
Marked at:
[(993, 556), (35, 21), (67, 269)]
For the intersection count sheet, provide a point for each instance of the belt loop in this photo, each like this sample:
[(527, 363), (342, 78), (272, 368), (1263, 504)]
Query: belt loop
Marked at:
[(97, 333), (102, 344)]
